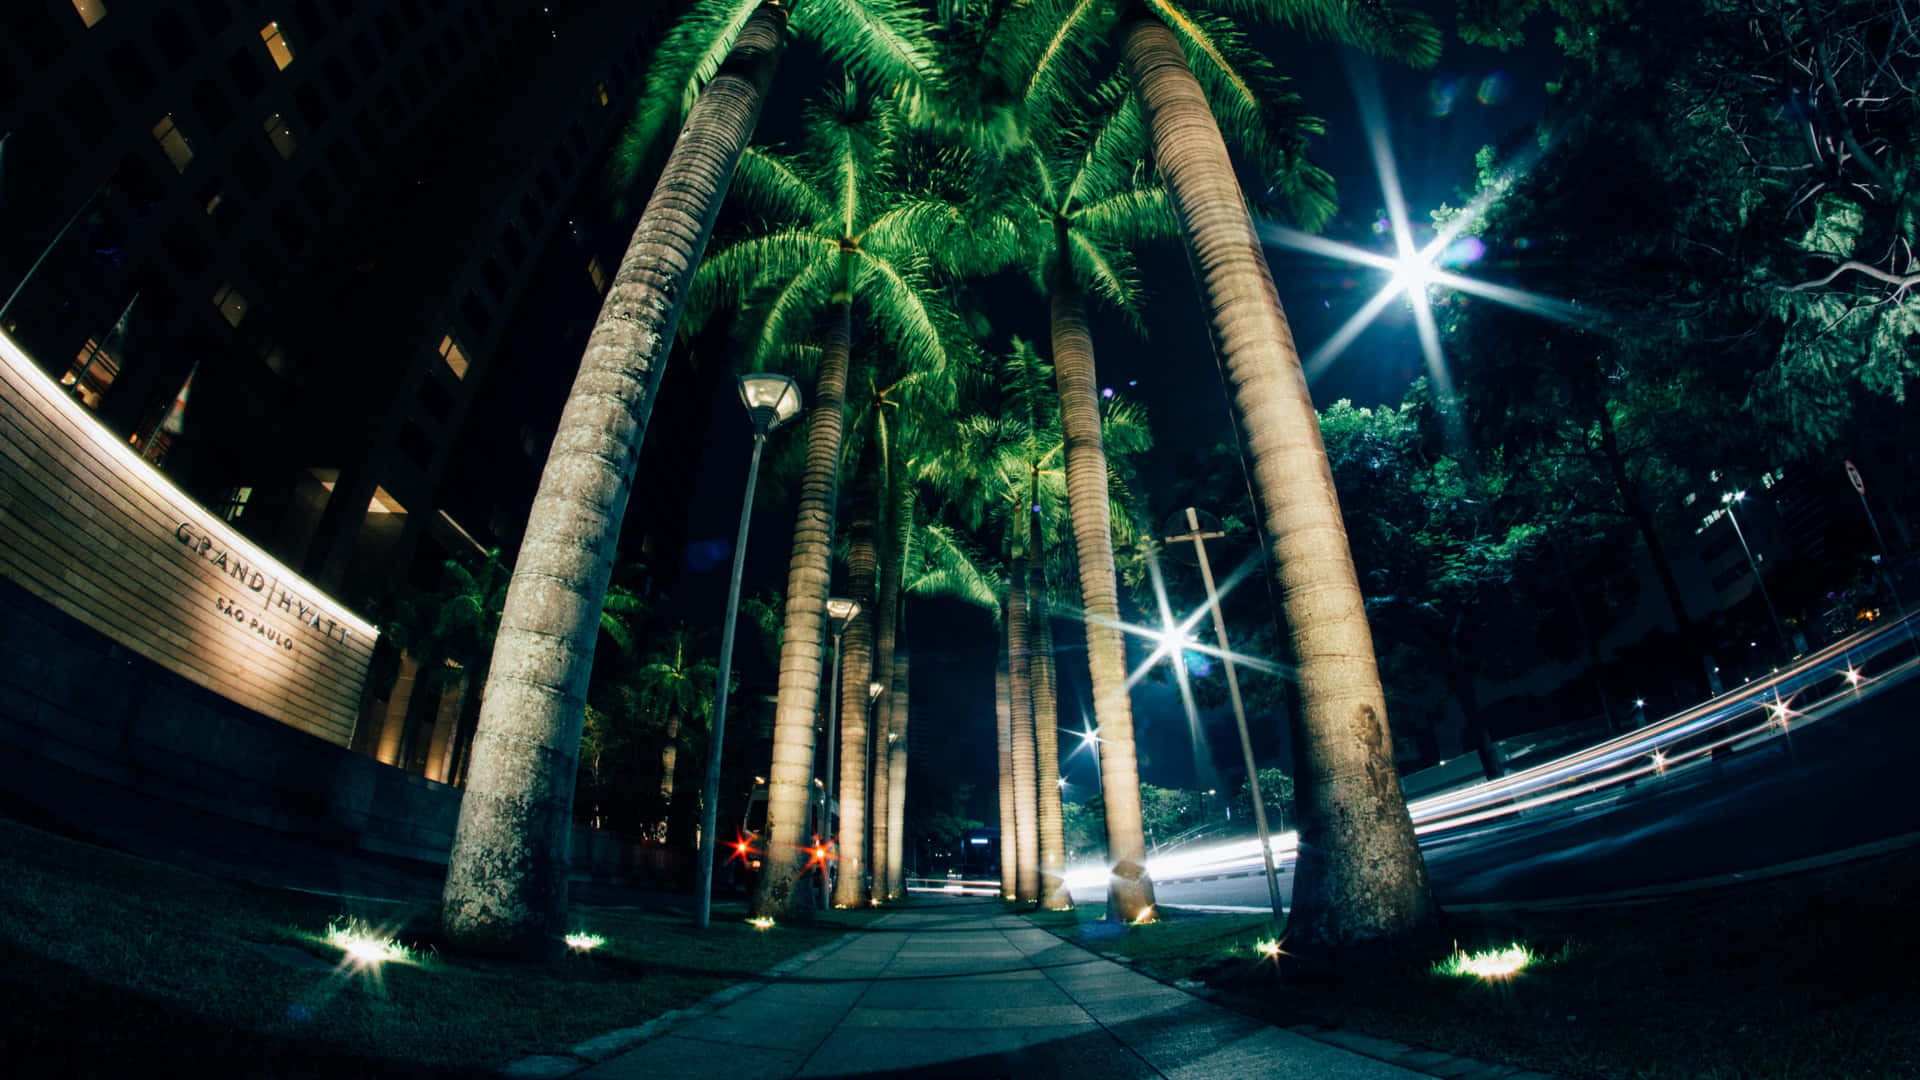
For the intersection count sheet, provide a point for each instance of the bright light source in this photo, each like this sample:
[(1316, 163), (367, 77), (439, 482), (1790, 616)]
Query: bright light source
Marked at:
[(584, 942), (1145, 916), (1491, 964), (761, 922), (364, 947), (1853, 676), (1267, 947)]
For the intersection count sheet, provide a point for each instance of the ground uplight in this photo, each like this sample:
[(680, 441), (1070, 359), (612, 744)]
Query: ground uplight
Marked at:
[(363, 947), (1489, 964), (761, 922), (584, 942)]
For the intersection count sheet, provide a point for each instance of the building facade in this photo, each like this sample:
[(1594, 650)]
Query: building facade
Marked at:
[(327, 264)]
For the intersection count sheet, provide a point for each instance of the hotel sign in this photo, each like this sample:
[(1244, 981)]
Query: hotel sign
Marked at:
[(96, 532)]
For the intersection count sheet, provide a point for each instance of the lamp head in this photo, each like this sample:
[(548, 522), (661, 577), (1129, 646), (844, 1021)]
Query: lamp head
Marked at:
[(873, 690), (1733, 497), (840, 612), (771, 399)]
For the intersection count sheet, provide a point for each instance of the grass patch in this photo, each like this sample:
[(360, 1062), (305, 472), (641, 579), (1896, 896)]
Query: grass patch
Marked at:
[(1177, 944), (1810, 976), (111, 964)]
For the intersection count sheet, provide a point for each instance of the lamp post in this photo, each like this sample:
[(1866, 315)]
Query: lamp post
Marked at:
[(876, 756), (840, 612), (771, 400), (1199, 537), (1732, 498)]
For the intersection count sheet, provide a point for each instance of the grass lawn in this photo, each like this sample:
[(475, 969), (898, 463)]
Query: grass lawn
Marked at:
[(1811, 976), (114, 965)]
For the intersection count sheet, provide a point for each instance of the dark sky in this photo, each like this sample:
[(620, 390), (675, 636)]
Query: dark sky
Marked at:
[(1437, 121)]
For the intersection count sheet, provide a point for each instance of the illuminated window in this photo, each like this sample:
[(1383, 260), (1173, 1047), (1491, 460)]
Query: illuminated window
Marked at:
[(172, 143), (236, 504), (92, 372), (279, 134), (277, 46), (450, 352), (594, 273), (603, 93), (213, 200), (233, 306), (277, 360), (383, 503), (91, 11)]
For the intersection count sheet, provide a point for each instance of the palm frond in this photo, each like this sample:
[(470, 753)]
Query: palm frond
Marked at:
[(947, 567), (883, 43), (1107, 272), (908, 312), (1254, 109), (1393, 30), (770, 184), (687, 58)]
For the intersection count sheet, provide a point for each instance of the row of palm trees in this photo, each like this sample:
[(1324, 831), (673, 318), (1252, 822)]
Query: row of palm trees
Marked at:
[(1055, 135)]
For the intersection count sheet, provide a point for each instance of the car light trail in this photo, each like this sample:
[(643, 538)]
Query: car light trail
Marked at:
[(1815, 688)]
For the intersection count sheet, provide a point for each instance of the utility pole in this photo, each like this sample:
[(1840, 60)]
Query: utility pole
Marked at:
[(1199, 537)]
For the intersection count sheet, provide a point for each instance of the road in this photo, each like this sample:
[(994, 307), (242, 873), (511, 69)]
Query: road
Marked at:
[(1818, 759)]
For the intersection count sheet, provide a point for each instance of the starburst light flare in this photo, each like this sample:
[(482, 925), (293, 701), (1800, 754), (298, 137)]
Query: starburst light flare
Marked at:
[(1412, 271)]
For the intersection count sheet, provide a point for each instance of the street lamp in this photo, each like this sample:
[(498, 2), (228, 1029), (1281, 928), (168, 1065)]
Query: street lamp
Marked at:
[(771, 401), (1730, 499), (840, 612), (1199, 536)]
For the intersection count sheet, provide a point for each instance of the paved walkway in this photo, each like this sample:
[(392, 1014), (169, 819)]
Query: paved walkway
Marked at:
[(956, 988)]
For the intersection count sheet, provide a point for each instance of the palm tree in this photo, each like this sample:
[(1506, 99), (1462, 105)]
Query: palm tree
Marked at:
[(681, 689), (847, 222), (935, 564), (506, 876), (1360, 876), (1010, 471)]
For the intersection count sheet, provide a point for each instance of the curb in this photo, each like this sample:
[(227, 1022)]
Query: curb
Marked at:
[(607, 1044), (1418, 1059)]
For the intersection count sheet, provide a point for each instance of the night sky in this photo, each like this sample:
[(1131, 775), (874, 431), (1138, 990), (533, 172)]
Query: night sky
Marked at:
[(1438, 120)]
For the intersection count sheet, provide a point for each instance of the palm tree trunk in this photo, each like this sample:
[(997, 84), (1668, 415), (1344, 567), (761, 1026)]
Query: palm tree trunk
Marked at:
[(506, 883), (886, 631), (897, 780), (1129, 889), (856, 671), (1003, 711), (1361, 877), (1026, 807), (669, 758), (803, 634), (1046, 743)]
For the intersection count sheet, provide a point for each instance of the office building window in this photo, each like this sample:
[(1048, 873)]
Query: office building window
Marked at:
[(236, 503), (94, 367), (601, 90), (233, 306), (277, 360), (277, 46), (91, 11), (172, 143), (214, 199), (455, 358), (279, 134), (596, 275)]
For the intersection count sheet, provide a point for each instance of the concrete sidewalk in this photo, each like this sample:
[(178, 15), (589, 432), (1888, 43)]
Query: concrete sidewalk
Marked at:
[(957, 988)]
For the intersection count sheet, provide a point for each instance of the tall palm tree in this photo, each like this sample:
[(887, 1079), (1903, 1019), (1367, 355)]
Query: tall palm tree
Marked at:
[(844, 224), (1360, 877), (1193, 75), (1046, 737), (1009, 472), (506, 877)]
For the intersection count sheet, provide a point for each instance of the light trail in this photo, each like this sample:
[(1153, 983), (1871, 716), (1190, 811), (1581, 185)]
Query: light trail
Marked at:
[(1813, 689)]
